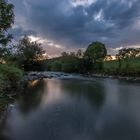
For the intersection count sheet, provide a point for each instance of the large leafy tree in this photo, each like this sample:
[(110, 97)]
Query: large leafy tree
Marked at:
[(6, 21), (96, 51), (28, 51), (95, 54)]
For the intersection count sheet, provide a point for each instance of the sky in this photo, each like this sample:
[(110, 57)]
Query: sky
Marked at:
[(69, 25)]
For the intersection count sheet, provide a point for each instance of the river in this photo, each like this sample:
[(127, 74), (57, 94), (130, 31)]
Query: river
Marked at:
[(75, 108)]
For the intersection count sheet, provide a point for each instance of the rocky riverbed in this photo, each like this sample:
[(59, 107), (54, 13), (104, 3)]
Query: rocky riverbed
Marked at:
[(40, 75)]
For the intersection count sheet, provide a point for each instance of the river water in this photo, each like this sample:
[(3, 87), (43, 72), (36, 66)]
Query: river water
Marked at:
[(75, 108)]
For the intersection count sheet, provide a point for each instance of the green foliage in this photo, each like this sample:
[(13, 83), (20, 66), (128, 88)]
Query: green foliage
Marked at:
[(64, 54), (85, 65), (28, 51), (76, 62), (6, 20), (2, 83), (70, 64), (56, 66), (96, 51), (80, 53), (125, 54), (11, 70), (129, 66), (9, 77), (128, 53)]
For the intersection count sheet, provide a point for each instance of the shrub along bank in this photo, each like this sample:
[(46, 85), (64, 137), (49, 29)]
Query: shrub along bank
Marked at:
[(9, 78)]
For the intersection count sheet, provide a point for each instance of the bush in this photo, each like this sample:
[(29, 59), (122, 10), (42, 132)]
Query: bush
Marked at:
[(70, 64), (9, 77)]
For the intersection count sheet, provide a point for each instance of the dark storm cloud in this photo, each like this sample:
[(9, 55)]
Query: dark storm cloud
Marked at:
[(114, 22), (19, 32)]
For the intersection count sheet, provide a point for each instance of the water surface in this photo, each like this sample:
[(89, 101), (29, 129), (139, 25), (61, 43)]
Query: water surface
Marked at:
[(75, 108)]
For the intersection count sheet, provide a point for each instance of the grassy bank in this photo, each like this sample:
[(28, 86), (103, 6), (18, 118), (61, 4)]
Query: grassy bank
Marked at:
[(129, 67)]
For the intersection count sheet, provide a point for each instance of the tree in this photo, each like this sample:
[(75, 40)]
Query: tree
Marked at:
[(64, 54), (118, 57), (123, 53), (128, 52), (96, 51), (79, 53), (28, 51), (72, 54), (6, 20)]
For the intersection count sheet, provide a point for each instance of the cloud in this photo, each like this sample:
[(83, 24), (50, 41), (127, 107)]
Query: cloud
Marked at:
[(18, 32), (75, 24)]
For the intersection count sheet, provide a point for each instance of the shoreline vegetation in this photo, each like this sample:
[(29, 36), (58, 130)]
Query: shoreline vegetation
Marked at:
[(127, 67)]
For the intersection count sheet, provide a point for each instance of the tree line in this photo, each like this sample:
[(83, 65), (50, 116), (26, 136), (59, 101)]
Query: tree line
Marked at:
[(79, 61), (92, 60)]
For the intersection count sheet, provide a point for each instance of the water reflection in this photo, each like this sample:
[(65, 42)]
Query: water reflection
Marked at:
[(53, 92), (93, 92), (76, 110), (30, 95)]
